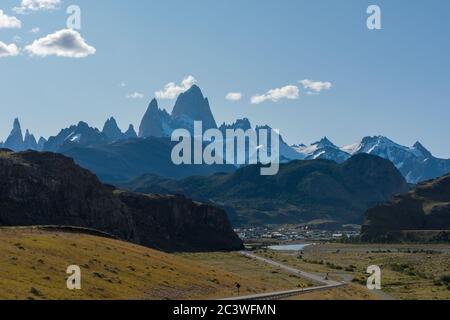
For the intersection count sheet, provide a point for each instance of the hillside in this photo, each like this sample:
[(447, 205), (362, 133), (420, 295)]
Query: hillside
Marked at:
[(33, 265), (302, 191), (50, 189), (412, 216), (123, 160)]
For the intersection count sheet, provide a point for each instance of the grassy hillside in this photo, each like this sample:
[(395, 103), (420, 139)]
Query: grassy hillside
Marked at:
[(33, 265)]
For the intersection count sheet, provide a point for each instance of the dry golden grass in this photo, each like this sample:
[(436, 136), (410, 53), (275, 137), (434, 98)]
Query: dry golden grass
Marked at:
[(33, 265), (257, 277), (408, 271)]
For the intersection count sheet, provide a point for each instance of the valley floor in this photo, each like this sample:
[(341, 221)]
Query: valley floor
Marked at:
[(33, 265), (408, 271)]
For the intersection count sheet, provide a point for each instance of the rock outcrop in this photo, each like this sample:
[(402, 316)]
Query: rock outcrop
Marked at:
[(425, 208), (50, 189)]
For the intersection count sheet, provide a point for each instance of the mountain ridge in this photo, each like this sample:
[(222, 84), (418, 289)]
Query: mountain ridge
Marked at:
[(415, 163), (302, 191)]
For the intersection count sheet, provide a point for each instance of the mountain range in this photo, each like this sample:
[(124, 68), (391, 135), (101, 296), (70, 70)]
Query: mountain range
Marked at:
[(92, 147), (415, 163), (18, 142), (301, 192)]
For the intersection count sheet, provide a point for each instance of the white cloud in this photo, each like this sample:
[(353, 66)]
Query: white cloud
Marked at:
[(8, 22), (122, 84), (10, 50), (35, 30), (315, 87), (275, 95), (135, 95), (172, 90), (234, 96), (27, 6), (64, 43)]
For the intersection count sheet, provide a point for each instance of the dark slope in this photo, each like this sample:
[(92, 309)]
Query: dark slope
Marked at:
[(128, 159), (50, 189), (302, 191), (425, 208)]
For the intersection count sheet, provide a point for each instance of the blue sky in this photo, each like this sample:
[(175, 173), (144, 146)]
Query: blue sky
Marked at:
[(394, 82)]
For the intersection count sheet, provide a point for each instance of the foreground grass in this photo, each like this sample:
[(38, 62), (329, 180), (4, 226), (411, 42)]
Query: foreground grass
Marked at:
[(408, 271), (33, 265), (257, 277)]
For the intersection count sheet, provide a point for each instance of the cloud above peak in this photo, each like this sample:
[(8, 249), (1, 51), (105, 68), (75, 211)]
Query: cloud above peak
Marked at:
[(135, 95), (28, 6), (172, 90), (63, 43), (8, 22), (290, 92), (234, 96), (315, 87), (10, 50)]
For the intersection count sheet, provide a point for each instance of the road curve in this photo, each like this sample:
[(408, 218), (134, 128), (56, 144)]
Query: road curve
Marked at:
[(325, 284)]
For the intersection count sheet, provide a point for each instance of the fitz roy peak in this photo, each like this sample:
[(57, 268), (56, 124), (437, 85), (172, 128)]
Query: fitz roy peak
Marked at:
[(190, 106)]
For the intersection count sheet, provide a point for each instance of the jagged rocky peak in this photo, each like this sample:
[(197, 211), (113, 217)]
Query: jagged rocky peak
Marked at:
[(112, 130), (243, 124), (155, 122), (423, 151), (15, 138), (29, 142), (325, 142), (81, 134), (41, 143), (193, 106), (131, 132)]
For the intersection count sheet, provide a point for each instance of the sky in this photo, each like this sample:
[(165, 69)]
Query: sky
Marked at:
[(309, 68)]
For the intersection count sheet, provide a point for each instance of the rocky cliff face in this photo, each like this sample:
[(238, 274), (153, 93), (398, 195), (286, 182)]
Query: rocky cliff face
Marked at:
[(193, 106), (176, 219), (425, 208), (156, 122), (190, 106), (50, 189), (17, 142), (15, 138)]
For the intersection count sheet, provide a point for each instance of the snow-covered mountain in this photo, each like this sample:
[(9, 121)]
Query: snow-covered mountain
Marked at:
[(77, 135), (415, 163), (323, 149)]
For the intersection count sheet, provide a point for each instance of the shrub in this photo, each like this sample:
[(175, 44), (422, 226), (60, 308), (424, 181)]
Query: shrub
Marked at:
[(445, 279)]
